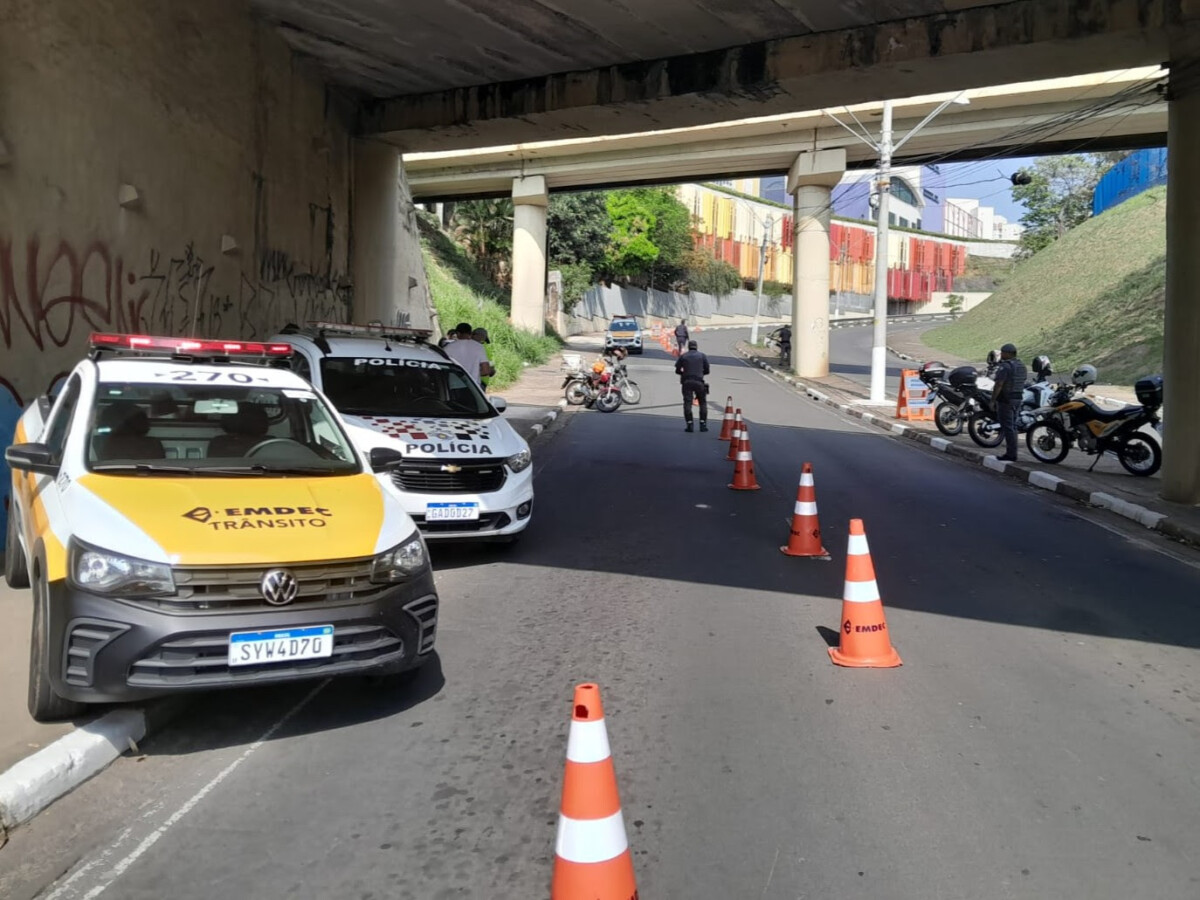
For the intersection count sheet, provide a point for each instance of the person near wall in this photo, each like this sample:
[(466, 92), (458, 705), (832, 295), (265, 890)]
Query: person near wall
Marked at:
[(692, 367)]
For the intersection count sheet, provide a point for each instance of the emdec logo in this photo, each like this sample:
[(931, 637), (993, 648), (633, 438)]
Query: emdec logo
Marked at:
[(239, 518)]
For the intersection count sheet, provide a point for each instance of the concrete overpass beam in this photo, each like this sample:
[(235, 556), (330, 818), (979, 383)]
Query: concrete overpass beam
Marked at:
[(811, 181), (1181, 364), (530, 200)]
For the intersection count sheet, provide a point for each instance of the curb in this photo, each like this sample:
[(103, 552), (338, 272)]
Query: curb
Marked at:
[(548, 419), (1148, 518), (57, 769)]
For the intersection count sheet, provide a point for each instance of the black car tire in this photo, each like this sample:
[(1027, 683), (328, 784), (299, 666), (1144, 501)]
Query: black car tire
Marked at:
[(16, 570), (44, 704)]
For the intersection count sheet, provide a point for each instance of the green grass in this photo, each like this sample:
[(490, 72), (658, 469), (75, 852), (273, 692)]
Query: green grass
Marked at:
[(462, 294), (1095, 296)]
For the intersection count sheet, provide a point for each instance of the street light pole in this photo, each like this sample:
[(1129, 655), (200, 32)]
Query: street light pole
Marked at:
[(762, 262), (879, 344)]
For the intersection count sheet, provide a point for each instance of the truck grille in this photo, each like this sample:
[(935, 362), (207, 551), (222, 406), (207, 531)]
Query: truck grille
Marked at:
[(205, 588), (485, 522), (431, 477), (203, 660)]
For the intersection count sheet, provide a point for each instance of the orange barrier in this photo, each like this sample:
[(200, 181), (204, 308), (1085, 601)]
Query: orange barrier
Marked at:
[(727, 423), (864, 636), (805, 536), (743, 467), (735, 437), (591, 854), (913, 401)]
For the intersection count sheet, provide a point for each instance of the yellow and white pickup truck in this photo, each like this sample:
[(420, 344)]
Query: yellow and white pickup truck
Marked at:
[(191, 514)]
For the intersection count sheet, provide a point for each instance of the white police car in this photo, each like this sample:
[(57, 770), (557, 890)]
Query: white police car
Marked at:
[(463, 472)]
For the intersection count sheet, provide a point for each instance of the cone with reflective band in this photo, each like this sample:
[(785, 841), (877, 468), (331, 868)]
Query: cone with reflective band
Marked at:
[(743, 467), (591, 855), (805, 537), (735, 437), (865, 643), (727, 424)]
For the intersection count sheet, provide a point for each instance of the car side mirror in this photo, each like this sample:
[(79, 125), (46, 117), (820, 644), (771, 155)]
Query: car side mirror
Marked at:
[(31, 458), (383, 458), (499, 404)]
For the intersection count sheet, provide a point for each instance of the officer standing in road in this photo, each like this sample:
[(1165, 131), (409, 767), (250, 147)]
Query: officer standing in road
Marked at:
[(681, 334), (691, 368), (1007, 392)]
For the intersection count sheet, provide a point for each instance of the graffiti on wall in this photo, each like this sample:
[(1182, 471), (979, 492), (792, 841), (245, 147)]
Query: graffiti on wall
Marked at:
[(54, 293)]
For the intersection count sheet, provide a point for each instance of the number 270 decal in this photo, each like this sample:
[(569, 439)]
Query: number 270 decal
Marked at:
[(189, 375)]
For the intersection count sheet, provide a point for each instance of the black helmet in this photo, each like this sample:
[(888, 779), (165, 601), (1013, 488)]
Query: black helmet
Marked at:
[(1041, 367)]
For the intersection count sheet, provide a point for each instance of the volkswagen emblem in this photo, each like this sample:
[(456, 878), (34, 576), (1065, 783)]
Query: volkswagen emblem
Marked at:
[(279, 587)]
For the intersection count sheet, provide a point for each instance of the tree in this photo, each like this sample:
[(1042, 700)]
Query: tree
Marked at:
[(578, 229), (651, 234), (1058, 197), (484, 229), (709, 275)]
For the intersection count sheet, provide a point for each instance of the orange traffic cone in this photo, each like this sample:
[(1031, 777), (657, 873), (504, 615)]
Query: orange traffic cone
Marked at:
[(727, 423), (865, 643), (735, 436), (805, 538), (743, 468), (591, 855)]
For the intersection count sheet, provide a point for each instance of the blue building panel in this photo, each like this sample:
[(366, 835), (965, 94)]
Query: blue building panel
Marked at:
[(1138, 172)]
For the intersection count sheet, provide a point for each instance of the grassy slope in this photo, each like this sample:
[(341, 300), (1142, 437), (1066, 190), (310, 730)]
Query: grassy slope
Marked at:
[(1094, 296), (462, 294)]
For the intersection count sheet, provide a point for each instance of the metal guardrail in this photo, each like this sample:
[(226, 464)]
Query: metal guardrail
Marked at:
[(899, 319)]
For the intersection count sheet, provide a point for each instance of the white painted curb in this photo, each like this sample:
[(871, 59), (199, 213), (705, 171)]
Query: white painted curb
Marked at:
[(38, 780), (1138, 514)]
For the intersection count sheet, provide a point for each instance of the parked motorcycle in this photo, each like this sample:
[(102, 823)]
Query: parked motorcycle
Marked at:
[(595, 388), (984, 427), (953, 405), (1096, 431), (630, 392)]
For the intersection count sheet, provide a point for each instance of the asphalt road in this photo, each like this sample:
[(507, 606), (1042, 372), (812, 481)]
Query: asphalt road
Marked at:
[(1039, 741)]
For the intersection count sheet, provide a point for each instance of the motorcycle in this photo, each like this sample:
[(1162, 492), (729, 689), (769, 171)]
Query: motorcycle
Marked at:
[(630, 392), (592, 389), (1097, 431), (984, 426), (954, 406)]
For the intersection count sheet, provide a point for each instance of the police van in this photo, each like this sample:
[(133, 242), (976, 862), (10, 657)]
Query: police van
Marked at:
[(189, 515), (463, 472)]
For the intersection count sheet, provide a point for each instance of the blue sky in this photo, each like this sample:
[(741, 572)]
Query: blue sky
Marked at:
[(986, 181)]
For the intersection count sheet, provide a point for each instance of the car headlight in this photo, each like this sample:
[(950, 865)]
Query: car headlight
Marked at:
[(519, 462), (104, 572), (401, 562)]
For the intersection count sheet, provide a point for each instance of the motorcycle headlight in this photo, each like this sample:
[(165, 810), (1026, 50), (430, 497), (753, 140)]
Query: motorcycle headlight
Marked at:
[(401, 562), (519, 462), (104, 572)]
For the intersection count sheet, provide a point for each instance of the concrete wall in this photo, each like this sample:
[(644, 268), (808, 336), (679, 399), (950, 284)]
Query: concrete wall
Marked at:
[(220, 132), (971, 299), (600, 303)]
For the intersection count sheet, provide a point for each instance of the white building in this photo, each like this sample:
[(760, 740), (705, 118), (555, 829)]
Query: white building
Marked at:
[(967, 218)]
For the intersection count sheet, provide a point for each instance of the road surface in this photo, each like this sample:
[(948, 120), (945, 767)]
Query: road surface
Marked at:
[(1039, 740)]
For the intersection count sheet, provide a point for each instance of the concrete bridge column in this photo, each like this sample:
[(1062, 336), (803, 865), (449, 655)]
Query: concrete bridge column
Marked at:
[(810, 182), (1181, 364), (373, 248), (530, 200)]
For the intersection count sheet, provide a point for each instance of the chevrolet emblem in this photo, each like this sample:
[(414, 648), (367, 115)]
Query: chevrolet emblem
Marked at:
[(452, 469)]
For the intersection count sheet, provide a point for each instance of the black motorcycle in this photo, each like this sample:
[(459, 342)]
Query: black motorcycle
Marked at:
[(1096, 431), (954, 407)]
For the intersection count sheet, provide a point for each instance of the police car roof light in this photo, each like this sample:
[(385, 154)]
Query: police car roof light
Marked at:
[(375, 329), (186, 346)]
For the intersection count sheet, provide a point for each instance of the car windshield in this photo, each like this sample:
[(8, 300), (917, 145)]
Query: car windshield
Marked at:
[(417, 388), (623, 325), (215, 428)]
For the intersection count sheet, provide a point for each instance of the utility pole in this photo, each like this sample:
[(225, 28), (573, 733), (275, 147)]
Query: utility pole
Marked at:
[(762, 262), (879, 344)]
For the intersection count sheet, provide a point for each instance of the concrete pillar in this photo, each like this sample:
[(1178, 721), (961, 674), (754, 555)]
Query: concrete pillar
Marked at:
[(386, 263), (810, 182), (530, 200), (1181, 363)]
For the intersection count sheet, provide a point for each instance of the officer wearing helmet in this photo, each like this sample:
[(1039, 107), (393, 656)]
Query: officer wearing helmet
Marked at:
[(691, 368), (1008, 389)]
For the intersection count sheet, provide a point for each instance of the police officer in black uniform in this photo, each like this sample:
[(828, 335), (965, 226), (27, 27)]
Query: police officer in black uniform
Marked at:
[(1007, 393), (691, 368)]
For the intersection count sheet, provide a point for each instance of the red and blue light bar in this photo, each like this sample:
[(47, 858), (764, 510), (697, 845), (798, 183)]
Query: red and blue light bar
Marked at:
[(186, 346)]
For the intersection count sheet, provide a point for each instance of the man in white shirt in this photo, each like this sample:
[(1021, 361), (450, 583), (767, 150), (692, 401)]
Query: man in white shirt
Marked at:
[(469, 354)]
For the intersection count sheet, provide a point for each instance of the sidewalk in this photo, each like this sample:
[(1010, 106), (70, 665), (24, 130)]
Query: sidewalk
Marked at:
[(1109, 486)]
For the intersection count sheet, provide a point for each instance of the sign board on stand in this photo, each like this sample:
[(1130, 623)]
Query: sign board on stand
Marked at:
[(914, 402)]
